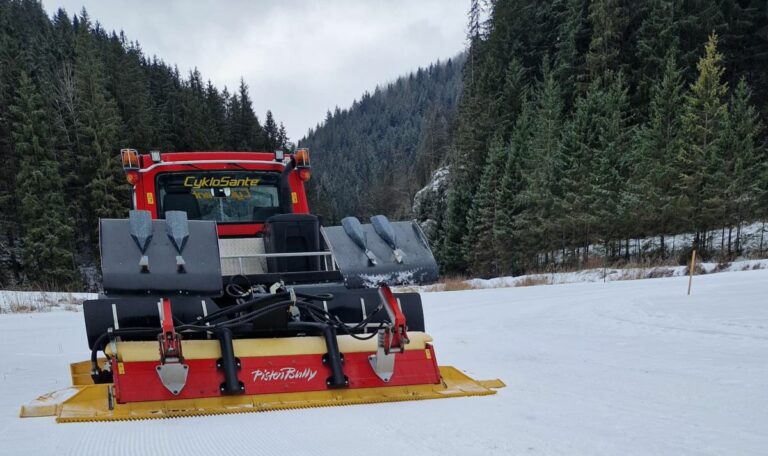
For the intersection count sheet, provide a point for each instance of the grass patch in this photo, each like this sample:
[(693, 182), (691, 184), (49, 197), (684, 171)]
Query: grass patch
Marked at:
[(28, 302), (456, 283), (530, 281)]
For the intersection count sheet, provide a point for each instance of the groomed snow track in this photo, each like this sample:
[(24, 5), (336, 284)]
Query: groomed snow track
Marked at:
[(622, 368)]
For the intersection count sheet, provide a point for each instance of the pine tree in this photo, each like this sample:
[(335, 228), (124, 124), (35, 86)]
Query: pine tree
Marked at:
[(746, 164), (481, 250), (193, 122), (578, 137), (657, 143), (215, 117), (47, 231), (271, 132), (507, 232), (656, 36), (97, 126), (570, 63), (543, 170), (464, 177), (246, 131), (607, 18), (701, 155), (610, 175)]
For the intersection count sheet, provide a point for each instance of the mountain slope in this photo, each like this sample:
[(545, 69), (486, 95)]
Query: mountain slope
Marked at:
[(373, 156)]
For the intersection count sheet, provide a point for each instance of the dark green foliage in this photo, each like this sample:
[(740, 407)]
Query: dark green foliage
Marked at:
[(630, 133), (512, 199), (656, 145), (373, 157), (702, 173), (72, 95), (483, 212), (45, 226)]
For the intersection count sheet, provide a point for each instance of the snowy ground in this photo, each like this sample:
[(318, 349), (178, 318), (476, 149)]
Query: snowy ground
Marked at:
[(617, 368)]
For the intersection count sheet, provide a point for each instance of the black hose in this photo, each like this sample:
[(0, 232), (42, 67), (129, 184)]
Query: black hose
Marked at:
[(100, 343), (239, 307)]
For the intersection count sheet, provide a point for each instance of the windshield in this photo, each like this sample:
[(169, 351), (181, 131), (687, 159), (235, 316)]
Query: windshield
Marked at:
[(223, 196)]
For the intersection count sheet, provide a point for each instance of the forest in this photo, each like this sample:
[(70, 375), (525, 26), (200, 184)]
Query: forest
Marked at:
[(587, 123), (71, 95), (579, 123), (372, 157), (564, 125)]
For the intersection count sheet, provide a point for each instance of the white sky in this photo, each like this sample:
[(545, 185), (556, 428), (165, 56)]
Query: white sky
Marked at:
[(299, 58)]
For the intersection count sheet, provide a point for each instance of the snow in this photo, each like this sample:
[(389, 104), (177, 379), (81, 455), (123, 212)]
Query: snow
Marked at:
[(40, 301), (616, 368), (612, 274), (752, 239)]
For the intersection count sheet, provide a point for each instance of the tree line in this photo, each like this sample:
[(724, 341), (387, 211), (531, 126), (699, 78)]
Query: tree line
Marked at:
[(372, 157), (72, 95), (602, 121)]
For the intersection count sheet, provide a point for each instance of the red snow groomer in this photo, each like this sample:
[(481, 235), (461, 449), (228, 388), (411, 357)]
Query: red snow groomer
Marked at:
[(223, 294)]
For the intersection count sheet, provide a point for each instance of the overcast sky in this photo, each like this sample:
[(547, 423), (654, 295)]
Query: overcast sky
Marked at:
[(299, 58)]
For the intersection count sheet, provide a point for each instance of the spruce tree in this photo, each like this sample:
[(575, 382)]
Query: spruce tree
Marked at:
[(656, 36), (746, 165), (509, 238), (98, 124), (607, 18), (570, 63), (656, 146), (613, 161), (581, 141), (481, 250), (46, 227), (540, 221), (271, 132), (701, 154)]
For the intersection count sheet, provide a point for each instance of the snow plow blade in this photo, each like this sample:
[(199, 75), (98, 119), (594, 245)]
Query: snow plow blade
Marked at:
[(94, 403)]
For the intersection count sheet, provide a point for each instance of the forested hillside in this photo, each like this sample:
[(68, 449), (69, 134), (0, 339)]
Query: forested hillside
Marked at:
[(372, 157), (589, 122), (71, 95)]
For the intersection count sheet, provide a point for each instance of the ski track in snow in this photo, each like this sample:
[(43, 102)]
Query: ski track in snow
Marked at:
[(617, 368)]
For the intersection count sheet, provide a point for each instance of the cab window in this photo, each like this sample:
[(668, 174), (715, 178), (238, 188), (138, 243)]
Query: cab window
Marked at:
[(222, 196)]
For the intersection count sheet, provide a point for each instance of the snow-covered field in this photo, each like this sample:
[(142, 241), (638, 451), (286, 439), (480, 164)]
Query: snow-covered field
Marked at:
[(617, 368)]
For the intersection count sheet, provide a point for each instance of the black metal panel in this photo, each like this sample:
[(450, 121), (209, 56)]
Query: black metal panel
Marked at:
[(122, 272), (379, 263)]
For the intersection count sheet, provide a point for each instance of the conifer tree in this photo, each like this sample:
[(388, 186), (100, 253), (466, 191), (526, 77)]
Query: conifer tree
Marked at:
[(607, 19), (543, 169), (271, 132), (47, 231), (97, 127), (479, 240), (570, 66), (246, 131), (215, 117), (746, 165), (701, 154), (464, 178), (613, 166), (656, 146), (656, 36), (580, 142), (510, 253)]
